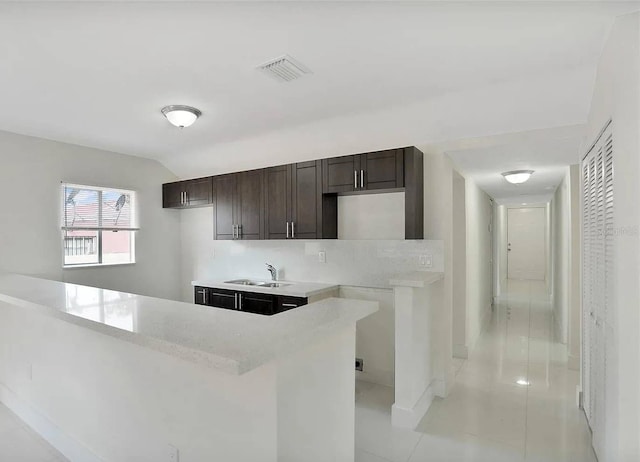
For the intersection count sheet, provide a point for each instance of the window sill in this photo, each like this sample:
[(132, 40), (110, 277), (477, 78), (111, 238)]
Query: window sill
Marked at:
[(96, 265)]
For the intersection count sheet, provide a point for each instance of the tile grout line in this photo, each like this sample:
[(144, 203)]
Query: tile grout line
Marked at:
[(415, 447)]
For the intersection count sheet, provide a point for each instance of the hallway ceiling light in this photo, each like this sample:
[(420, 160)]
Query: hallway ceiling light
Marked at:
[(523, 382), (517, 176), (181, 116)]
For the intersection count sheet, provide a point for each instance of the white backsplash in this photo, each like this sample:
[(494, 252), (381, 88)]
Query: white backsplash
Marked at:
[(365, 263), (355, 263)]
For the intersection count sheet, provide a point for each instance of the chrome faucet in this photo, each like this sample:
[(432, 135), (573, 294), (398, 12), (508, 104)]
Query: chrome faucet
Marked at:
[(273, 271)]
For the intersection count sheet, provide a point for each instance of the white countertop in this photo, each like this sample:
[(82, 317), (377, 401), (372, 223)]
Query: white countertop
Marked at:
[(416, 279), (289, 288), (233, 341)]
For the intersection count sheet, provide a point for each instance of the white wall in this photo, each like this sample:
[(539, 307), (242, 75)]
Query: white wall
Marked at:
[(561, 257), (479, 209), (31, 170), (500, 241), (371, 216), (375, 335), (438, 224), (575, 297), (617, 96), (459, 270)]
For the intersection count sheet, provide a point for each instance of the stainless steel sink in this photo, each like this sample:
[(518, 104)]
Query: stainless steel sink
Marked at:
[(249, 282), (244, 282), (273, 284)]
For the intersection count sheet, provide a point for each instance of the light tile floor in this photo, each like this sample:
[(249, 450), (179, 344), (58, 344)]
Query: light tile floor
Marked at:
[(18, 443), (488, 416)]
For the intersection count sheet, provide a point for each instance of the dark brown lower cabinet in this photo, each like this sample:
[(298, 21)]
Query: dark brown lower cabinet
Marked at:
[(285, 302), (256, 303), (222, 299), (250, 302)]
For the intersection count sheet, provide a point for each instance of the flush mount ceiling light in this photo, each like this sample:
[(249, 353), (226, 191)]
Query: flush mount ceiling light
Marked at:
[(181, 116), (517, 176), (523, 382)]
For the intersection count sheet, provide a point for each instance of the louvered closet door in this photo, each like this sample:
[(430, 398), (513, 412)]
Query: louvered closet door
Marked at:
[(597, 273)]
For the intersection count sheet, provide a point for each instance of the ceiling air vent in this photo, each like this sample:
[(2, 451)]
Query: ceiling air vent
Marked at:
[(284, 69)]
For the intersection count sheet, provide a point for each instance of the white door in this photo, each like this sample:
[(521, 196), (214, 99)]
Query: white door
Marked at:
[(526, 243)]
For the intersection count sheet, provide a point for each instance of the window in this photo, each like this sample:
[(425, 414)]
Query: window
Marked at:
[(98, 225)]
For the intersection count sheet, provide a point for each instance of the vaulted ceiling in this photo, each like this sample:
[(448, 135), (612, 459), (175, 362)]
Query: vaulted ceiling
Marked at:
[(97, 74)]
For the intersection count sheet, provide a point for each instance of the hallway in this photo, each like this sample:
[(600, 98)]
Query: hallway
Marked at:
[(491, 413)]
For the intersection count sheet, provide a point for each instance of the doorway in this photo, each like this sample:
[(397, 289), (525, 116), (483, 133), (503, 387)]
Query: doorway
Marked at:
[(526, 243)]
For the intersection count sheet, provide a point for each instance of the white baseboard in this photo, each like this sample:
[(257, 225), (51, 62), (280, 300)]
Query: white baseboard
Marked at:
[(460, 351), (379, 377), (71, 448), (410, 418)]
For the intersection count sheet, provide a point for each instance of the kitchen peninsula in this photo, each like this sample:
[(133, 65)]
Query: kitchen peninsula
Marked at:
[(112, 376)]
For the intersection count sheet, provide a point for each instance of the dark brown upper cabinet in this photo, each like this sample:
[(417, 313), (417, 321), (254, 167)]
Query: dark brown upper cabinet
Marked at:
[(382, 170), (340, 174), (300, 201), (188, 193), (238, 210), (277, 199), (294, 205)]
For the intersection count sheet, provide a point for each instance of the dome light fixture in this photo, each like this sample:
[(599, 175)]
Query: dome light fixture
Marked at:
[(517, 176), (181, 116)]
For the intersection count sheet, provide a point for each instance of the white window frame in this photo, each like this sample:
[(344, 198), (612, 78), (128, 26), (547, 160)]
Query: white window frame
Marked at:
[(99, 229)]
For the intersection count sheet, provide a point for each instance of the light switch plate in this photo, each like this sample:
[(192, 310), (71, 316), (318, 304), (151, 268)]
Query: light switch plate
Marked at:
[(426, 261), (322, 256)]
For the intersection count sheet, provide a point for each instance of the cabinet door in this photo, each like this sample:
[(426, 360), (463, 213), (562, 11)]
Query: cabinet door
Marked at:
[(284, 303), (199, 192), (341, 174), (306, 198), (250, 208), (172, 195), (382, 170), (221, 298), (224, 211), (277, 201), (201, 296), (256, 303)]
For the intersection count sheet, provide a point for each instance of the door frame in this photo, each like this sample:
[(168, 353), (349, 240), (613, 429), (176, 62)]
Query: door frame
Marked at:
[(545, 207)]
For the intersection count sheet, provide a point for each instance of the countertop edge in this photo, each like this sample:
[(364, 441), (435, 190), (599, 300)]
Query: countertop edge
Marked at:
[(416, 279)]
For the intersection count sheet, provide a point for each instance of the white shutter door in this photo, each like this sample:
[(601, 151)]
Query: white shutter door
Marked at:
[(597, 272), (587, 182)]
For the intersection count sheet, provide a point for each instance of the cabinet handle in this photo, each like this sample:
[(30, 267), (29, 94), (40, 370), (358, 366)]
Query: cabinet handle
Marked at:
[(181, 197), (240, 300), (287, 230), (186, 198), (355, 179), (235, 300), (239, 231), (293, 230), (204, 296), (290, 305), (362, 178)]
